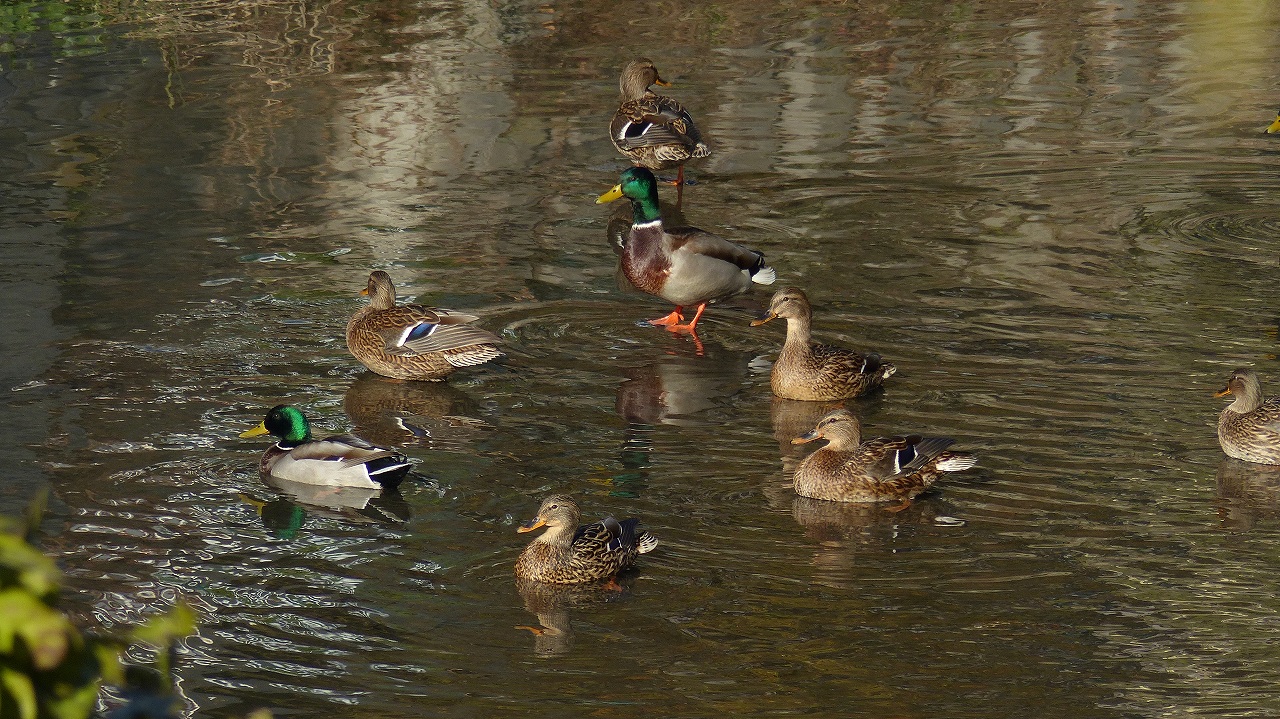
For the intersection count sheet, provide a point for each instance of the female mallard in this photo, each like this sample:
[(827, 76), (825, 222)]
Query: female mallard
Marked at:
[(878, 470), (651, 130), (569, 554), (815, 372), (339, 461), (683, 265), (412, 341), (1249, 428)]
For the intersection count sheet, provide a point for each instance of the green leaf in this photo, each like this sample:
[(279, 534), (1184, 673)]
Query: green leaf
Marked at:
[(108, 655), (77, 704), (162, 629), (27, 565), (18, 685)]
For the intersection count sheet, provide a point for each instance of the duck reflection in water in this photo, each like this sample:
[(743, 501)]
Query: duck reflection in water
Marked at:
[(398, 412), (285, 515), (1247, 492), (550, 604), (673, 389)]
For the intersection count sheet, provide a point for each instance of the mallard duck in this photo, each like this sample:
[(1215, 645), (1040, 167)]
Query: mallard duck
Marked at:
[(412, 341), (1274, 127), (1249, 428), (815, 372), (877, 470), (339, 461), (683, 265), (570, 554), (652, 130)]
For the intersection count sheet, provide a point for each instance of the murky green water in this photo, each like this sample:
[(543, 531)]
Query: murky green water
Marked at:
[(1058, 220)]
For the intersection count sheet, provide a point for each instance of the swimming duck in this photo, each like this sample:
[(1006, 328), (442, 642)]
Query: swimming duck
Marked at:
[(570, 554), (412, 341), (1249, 428), (338, 461), (1274, 127), (683, 265), (652, 130), (815, 372), (877, 470)]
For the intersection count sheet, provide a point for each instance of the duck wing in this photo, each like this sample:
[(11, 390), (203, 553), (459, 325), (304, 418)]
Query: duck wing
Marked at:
[(656, 121), (414, 330), (890, 458)]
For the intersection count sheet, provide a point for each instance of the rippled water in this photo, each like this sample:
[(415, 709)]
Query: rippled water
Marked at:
[(1058, 220)]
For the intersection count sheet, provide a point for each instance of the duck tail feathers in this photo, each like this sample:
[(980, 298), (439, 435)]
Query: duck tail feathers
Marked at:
[(646, 543), (955, 461), (764, 276)]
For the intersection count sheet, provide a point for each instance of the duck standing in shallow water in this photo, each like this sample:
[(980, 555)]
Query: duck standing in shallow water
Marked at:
[(1249, 428), (815, 372), (570, 554), (652, 130), (682, 265), (412, 341), (338, 461), (877, 470)]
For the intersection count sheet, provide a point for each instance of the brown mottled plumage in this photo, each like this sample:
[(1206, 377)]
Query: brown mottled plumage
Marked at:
[(412, 341), (569, 554), (878, 470), (652, 130), (1249, 428), (815, 372)]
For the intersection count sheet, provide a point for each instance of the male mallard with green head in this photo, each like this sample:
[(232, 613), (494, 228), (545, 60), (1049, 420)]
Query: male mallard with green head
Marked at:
[(338, 461), (683, 265)]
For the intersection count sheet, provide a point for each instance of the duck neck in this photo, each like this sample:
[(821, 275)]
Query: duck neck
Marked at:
[(1247, 400), (644, 210), (797, 334)]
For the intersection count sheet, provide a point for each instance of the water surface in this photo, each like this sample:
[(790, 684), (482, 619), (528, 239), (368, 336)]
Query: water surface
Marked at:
[(1057, 220)]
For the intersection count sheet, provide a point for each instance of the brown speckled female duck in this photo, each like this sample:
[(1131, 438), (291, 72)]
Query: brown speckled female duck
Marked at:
[(412, 341), (569, 554), (815, 372), (652, 130), (877, 470), (1249, 428)]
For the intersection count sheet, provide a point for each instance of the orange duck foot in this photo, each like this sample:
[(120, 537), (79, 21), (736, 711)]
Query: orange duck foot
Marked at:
[(675, 318), (899, 507), (672, 321)]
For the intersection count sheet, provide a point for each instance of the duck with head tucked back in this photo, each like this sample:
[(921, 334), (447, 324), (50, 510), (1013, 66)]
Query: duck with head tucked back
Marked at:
[(815, 372), (652, 130), (570, 554), (337, 461), (1249, 428), (412, 341), (882, 469), (683, 265)]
